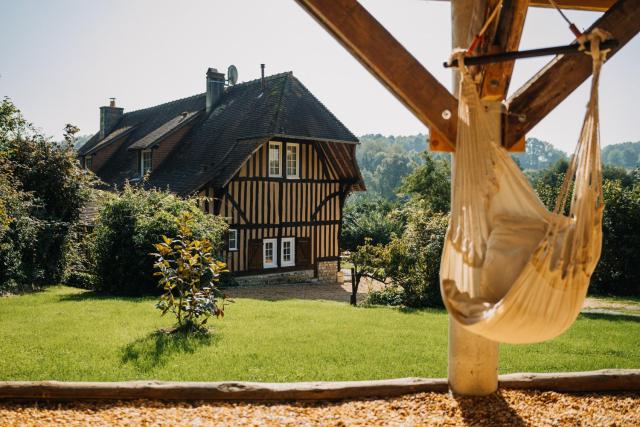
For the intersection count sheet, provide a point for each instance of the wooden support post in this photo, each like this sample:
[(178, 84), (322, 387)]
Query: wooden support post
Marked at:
[(473, 360)]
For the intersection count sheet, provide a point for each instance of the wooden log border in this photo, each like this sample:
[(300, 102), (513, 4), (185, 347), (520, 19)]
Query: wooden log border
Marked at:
[(608, 380)]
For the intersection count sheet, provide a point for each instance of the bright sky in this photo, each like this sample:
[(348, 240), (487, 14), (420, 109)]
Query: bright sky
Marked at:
[(60, 60)]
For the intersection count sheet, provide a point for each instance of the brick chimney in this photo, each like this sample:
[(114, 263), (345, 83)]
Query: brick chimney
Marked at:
[(109, 117), (215, 88)]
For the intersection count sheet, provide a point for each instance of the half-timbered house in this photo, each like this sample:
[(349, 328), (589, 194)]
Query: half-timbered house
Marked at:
[(265, 154)]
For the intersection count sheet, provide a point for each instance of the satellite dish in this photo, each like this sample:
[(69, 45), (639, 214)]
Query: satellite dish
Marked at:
[(232, 74)]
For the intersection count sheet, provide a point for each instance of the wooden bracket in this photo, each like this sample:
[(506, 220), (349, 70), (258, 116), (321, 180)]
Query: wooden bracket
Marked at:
[(438, 142)]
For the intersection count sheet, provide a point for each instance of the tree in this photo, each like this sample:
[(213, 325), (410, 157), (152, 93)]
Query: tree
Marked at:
[(390, 172), (626, 155), (430, 182), (370, 217), (368, 261), (538, 155), (57, 187)]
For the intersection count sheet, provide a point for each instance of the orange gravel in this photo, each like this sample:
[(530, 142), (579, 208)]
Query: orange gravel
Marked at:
[(507, 408)]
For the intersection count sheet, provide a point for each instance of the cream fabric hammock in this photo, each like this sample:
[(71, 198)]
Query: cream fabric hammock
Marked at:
[(512, 271)]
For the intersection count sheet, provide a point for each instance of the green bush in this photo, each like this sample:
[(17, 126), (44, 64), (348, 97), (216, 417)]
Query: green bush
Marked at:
[(391, 295), (80, 267), (42, 192), (128, 227), (618, 272), (188, 275)]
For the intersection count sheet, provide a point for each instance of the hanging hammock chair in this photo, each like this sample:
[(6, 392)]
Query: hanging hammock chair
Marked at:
[(512, 271)]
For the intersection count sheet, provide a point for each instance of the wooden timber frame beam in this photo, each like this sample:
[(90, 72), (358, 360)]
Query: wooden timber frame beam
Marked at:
[(592, 5), (587, 5), (560, 77), (371, 44), (505, 36)]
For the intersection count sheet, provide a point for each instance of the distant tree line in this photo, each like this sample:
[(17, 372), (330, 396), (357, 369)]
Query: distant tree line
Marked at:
[(626, 155), (386, 160)]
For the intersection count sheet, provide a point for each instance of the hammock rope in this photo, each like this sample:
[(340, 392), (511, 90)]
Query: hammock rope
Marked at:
[(512, 271)]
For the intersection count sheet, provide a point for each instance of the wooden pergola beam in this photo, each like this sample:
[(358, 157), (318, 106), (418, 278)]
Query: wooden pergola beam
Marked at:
[(560, 77), (508, 31), (592, 5), (587, 5), (371, 44)]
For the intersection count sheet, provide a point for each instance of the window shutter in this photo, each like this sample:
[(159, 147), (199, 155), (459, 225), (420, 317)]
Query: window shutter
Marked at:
[(255, 254), (303, 251)]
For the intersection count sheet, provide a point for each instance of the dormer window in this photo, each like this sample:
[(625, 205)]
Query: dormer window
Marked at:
[(292, 161), (145, 162), (275, 169)]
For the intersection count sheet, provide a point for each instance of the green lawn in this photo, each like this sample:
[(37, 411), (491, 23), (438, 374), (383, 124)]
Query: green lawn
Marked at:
[(67, 334)]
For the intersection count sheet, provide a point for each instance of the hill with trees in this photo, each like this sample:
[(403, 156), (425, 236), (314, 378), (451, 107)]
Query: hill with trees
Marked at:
[(626, 155), (386, 160)]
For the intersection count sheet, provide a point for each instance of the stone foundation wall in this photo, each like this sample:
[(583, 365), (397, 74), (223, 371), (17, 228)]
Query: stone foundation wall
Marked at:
[(328, 271), (276, 278)]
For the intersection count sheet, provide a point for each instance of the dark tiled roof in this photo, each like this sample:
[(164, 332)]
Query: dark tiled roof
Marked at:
[(245, 117)]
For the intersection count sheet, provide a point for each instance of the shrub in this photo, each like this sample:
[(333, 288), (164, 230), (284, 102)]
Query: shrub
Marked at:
[(389, 295), (188, 272), (128, 227), (80, 267)]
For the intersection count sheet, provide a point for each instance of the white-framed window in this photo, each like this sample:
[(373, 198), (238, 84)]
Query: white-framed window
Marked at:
[(145, 162), (269, 253), (275, 168), (88, 162), (292, 160), (233, 239), (288, 252)]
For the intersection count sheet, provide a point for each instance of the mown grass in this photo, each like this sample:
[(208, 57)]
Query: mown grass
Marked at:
[(68, 334)]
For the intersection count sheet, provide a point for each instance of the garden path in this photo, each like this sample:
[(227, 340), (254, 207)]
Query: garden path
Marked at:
[(340, 292), (309, 290)]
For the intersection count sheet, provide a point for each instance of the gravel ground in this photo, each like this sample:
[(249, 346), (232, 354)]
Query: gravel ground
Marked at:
[(310, 291), (507, 408)]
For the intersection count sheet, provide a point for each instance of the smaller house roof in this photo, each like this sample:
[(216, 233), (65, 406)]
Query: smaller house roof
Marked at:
[(165, 130), (99, 144)]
